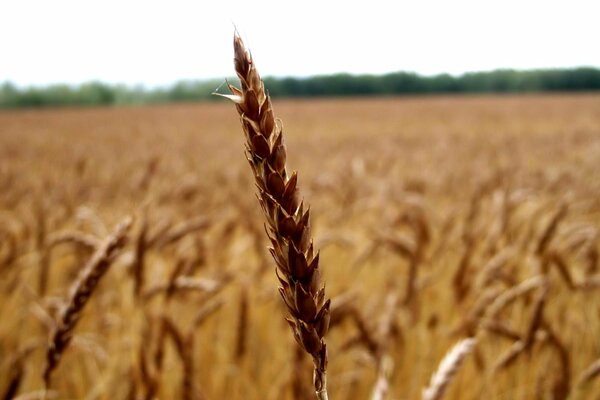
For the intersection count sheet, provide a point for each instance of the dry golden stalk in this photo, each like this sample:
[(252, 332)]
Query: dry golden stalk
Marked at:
[(512, 294), (510, 355), (385, 363), (537, 316), (183, 229), (149, 173), (550, 230), (364, 337), (185, 349), (17, 370), (526, 343), (384, 374), (501, 329), (89, 218), (178, 271), (420, 226), (495, 264), (187, 283), (158, 232), (336, 239), (159, 351), (301, 389), (37, 395), (342, 307), (591, 372), (163, 328), (446, 230), (561, 386), (590, 283), (149, 377), (399, 242), (132, 392), (471, 321), (206, 311), (460, 280), (40, 210), (86, 241), (15, 376), (80, 293), (8, 249), (242, 328), (592, 258), (139, 258), (447, 369), (555, 258), (385, 327), (288, 221), (44, 261)]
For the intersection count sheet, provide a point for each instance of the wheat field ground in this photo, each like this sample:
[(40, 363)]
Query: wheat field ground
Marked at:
[(427, 212)]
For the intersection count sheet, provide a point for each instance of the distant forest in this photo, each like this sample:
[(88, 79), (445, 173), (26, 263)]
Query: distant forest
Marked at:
[(338, 85)]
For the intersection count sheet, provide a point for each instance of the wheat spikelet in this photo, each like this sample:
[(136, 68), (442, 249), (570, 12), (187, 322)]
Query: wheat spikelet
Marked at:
[(288, 220), (447, 369), (79, 295)]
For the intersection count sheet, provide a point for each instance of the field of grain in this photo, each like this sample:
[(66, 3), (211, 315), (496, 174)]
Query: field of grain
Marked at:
[(437, 218)]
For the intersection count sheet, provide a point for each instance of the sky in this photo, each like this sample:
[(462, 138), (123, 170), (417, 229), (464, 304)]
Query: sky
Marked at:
[(156, 43)]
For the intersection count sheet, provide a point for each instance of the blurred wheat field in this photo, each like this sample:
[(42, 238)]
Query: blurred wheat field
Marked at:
[(426, 210)]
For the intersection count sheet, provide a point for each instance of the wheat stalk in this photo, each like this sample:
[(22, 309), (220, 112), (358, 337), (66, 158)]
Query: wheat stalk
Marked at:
[(591, 372), (287, 218), (447, 369), (241, 343), (79, 295)]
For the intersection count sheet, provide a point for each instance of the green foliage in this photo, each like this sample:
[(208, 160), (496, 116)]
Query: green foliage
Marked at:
[(397, 83)]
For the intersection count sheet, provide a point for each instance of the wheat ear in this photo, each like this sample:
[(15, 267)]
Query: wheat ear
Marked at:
[(80, 293), (287, 218), (447, 369)]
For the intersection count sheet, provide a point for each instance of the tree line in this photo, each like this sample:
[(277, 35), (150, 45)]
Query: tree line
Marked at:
[(338, 85)]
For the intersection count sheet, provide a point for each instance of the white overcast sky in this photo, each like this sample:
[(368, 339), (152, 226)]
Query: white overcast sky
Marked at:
[(160, 42)]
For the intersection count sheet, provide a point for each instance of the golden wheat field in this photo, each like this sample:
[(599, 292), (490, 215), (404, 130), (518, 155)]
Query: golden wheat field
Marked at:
[(437, 219)]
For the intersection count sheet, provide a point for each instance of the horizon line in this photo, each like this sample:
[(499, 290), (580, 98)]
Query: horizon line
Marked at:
[(206, 80)]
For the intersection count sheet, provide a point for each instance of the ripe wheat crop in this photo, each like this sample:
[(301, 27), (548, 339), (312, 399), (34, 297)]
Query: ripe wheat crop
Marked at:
[(457, 239)]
